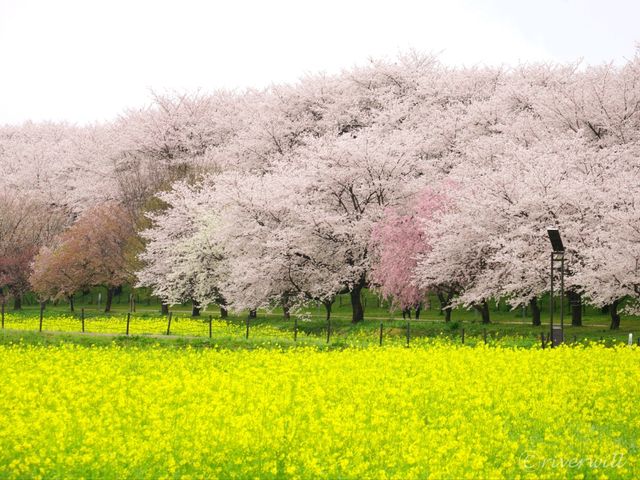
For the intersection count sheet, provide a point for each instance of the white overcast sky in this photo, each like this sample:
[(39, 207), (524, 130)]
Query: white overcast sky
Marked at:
[(87, 60)]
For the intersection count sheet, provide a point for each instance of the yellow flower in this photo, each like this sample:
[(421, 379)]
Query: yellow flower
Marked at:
[(436, 410)]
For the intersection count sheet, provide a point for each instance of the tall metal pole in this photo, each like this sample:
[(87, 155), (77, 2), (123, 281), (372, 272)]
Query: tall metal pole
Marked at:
[(557, 255), (551, 301), (562, 295)]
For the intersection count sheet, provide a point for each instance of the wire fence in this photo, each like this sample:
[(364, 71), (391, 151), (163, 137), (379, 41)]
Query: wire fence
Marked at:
[(297, 331)]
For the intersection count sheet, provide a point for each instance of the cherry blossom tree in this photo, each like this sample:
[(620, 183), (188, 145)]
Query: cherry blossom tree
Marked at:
[(397, 241), (33, 158), (325, 201), (610, 276), (99, 249), (272, 260), (170, 141), (58, 273), (494, 241), (25, 225), (182, 261)]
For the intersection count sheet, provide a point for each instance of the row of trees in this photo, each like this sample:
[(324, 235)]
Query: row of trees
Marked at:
[(404, 176)]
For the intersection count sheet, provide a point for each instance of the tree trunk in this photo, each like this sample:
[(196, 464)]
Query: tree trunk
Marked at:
[(327, 306), (444, 304), (71, 303), (223, 312), (357, 311), (418, 308), (17, 302), (253, 313), (615, 316), (442, 301), (107, 305), (575, 302), (195, 311), (535, 312), (164, 309), (483, 308)]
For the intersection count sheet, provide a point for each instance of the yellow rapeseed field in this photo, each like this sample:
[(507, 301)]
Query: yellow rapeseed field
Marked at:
[(434, 411)]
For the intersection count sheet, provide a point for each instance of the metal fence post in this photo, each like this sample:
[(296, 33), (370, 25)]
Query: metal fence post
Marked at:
[(408, 333)]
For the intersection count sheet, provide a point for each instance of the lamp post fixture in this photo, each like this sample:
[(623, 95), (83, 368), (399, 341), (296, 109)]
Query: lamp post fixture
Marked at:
[(557, 256)]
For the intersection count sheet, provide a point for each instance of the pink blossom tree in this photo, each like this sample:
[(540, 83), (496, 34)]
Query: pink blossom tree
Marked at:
[(397, 242), (25, 226), (99, 249)]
